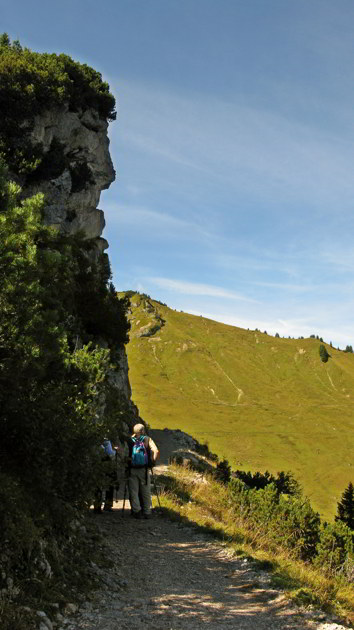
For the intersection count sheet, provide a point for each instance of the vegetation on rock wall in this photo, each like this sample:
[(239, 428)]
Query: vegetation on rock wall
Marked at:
[(55, 306), (61, 329)]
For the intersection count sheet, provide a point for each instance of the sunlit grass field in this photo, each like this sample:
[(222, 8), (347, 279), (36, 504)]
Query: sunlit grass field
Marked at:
[(262, 402)]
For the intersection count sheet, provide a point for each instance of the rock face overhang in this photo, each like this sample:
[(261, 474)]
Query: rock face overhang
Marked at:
[(85, 144)]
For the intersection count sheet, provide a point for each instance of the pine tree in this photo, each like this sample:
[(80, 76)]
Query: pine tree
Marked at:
[(345, 507), (323, 353)]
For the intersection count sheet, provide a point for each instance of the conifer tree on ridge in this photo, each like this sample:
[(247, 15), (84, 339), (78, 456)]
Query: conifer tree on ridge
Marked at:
[(345, 507)]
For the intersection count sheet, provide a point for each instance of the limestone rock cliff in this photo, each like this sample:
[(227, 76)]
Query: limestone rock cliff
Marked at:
[(85, 169), (72, 195)]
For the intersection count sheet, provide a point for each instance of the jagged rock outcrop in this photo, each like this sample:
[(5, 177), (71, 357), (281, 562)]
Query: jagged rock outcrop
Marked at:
[(78, 145), (120, 379), (190, 459), (79, 142)]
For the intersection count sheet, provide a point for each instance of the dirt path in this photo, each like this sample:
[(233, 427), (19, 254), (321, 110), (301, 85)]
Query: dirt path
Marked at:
[(168, 576), (167, 441)]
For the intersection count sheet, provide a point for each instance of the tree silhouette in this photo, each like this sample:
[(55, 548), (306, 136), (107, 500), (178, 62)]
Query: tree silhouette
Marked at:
[(345, 507)]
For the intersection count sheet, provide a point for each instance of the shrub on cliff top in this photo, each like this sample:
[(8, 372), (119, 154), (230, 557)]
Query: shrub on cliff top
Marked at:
[(32, 82)]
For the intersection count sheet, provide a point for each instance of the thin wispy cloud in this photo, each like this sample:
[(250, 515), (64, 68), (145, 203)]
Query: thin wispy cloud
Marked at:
[(142, 218), (296, 288), (246, 146), (150, 145), (256, 260), (159, 223), (342, 261), (191, 288), (255, 180)]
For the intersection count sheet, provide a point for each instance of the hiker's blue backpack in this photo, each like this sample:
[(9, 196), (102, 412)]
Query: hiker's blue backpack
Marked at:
[(139, 455)]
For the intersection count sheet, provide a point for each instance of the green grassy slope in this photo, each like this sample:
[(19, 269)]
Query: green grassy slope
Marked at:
[(264, 403)]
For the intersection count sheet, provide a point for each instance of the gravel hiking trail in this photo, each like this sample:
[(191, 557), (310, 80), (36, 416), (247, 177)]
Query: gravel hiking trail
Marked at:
[(168, 576)]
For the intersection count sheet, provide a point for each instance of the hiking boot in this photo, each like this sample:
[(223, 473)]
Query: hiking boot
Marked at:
[(147, 516), (107, 509), (138, 515), (97, 510)]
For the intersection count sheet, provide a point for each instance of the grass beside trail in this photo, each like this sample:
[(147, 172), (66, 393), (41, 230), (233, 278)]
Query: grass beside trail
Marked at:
[(202, 502), (262, 402)]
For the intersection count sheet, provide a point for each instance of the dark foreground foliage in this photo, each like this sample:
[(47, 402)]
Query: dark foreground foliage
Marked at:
[(61, 332), (56, 304)]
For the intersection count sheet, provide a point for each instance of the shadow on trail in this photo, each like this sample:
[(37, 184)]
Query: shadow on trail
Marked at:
[(190, 583)]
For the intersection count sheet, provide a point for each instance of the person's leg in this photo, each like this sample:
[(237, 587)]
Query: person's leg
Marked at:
[(97, 503), (145, 489), (133, 482), (108, 503)]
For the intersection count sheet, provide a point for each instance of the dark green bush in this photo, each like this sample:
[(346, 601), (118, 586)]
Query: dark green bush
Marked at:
[(296, 526), (284, 482), (263, 505), (335, 548), (287, 520), (239, 496), (323, 353), (223, 471)]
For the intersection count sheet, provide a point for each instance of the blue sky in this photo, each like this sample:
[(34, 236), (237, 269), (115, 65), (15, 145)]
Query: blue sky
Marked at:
[(234, 151)]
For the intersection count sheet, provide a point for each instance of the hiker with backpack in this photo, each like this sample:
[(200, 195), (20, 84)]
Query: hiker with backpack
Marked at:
[(109, 464), (143, 454)]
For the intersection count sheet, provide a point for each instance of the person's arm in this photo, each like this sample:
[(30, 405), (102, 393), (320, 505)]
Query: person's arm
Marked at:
[(107, 444), (155, 453)]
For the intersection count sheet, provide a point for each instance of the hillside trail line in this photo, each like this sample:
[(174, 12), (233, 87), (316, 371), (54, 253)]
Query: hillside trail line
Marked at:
[(166, 575)]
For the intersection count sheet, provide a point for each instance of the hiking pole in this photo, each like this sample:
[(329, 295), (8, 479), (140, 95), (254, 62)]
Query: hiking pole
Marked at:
[(116, 484), (125, 495), (155, 486)]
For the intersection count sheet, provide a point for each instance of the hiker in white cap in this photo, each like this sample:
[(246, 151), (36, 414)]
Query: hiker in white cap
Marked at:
[(143, 454)]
